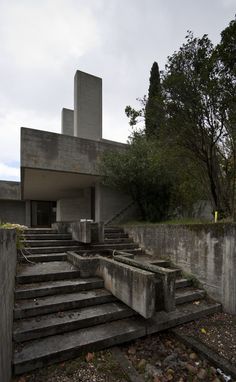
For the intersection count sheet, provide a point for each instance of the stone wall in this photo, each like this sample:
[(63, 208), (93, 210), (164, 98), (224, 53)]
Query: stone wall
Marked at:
[(7, 282), (207, 251)]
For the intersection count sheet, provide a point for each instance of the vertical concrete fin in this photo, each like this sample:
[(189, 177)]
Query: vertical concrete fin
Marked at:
[(87, 106)]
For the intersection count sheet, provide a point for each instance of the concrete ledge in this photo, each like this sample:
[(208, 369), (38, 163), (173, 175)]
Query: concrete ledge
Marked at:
[(135, 287)]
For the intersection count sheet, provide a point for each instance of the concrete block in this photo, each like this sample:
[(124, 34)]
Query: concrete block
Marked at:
[(81, 231)]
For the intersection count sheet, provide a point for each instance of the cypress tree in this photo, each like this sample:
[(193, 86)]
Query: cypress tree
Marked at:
[(154, 105)]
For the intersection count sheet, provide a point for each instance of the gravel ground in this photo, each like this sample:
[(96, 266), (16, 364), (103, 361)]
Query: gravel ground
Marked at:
[(217, 331), (162, 358), (94, 367)]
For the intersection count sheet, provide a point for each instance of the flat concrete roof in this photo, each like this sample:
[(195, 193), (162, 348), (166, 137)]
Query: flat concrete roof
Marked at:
[(55, 166), (54, 185)]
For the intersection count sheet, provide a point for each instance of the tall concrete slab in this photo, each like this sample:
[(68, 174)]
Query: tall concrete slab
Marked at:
[(87, 106), (67, 121)]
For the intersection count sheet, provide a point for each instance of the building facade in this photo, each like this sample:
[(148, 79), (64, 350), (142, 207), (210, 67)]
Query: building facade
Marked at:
[(60, 178)]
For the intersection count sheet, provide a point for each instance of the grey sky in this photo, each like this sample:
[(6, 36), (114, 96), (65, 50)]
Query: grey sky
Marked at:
[(43, 43)]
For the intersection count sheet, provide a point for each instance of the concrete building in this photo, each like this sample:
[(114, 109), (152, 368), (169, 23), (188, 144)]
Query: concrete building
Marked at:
[(60, 179)]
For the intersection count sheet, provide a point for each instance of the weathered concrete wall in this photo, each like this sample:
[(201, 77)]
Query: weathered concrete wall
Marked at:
[(12, 211), (87, 106), (67, 121), (10, 190), (208, 251), (110, 203), (51, 151), (75, 208), (7, 283)]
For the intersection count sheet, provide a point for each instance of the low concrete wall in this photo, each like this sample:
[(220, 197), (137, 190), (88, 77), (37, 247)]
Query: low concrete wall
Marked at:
[(137, 288), (207, 251), (7, 283)]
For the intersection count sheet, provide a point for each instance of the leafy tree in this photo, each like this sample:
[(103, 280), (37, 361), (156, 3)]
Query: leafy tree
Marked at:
[(194, 98), (139, 171)]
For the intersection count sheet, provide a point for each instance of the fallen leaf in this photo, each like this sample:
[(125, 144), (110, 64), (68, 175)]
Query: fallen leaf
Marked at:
[(89, 357), (203, 331)]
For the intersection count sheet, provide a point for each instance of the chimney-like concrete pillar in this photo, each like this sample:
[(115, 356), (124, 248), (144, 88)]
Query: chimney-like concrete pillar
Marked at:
[(67, 121), (87, 106)]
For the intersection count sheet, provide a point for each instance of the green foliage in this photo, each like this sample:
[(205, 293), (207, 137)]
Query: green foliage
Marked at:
[(140, 172), (186, 151), (19, 233)]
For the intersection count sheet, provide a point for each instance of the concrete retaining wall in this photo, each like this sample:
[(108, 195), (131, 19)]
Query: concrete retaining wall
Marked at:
[(7, 282), (208, 251)]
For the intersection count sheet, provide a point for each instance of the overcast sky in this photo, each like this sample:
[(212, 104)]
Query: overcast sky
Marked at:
[(43, 43)]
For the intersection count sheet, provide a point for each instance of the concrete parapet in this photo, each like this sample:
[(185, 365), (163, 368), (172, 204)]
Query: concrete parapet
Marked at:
[(7, 283), (135, 287)]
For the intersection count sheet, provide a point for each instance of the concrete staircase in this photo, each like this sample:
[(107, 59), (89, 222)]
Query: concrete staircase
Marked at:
[(58, 315)]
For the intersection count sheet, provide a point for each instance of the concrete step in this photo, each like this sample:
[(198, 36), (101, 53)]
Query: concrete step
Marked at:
[(183, 313), (118, 240), (48, 236), (52, 271), (44, 250), (42, 352), (48, 288), (45, 257), (50, 243), (113, 230), (188, 295), (58, 303), (63, 322), (115, 235), (37, 353), (183, 283), (39, 231)]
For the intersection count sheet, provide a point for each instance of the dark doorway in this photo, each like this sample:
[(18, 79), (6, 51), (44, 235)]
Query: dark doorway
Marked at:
[(43, 213)]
